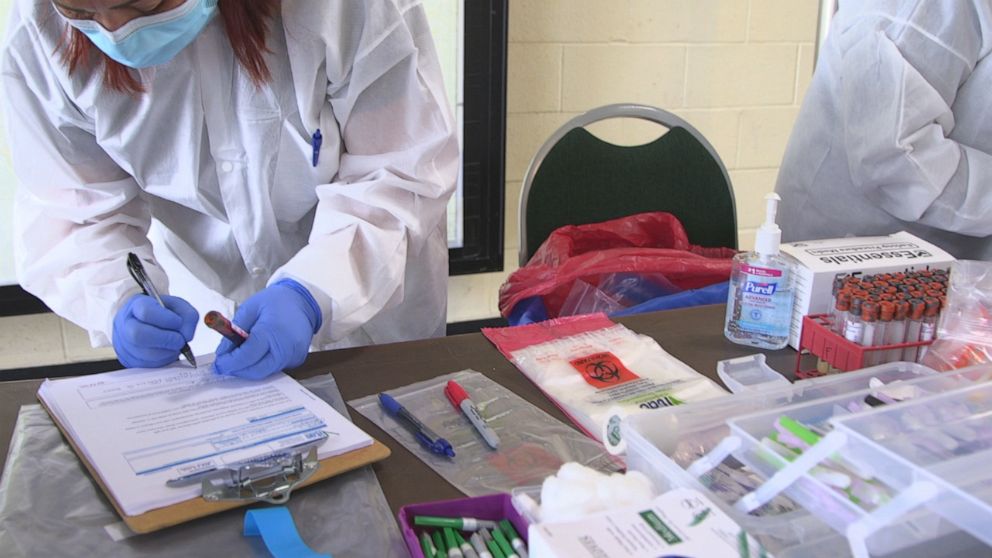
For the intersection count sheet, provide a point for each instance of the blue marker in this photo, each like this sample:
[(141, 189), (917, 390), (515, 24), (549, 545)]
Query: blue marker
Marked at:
[(315, 142), (424, 435)]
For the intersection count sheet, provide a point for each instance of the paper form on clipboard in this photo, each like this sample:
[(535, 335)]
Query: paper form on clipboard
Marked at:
[(140, 428)]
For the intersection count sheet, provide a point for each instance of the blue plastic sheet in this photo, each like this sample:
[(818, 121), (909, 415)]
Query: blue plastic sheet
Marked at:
[(531, 310), (713, 294)]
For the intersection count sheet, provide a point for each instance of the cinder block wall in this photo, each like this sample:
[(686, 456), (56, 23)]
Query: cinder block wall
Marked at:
[(735, 69)]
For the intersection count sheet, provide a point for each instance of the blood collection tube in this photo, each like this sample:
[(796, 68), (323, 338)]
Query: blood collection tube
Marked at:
[(886, 312), (895, 331), (840, 311), (869, 330), (835, 291), (853, 327), (913, 323), (928, 326)]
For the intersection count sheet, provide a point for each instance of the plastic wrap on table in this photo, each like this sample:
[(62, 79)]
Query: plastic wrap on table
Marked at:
[(637, 249), (50, 506), (533, 444)]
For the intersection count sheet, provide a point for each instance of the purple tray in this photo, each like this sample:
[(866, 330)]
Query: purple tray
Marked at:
[(491, 506)]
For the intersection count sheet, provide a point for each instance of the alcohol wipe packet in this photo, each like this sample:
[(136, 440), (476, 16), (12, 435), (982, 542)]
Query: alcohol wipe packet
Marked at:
[(599, 372)]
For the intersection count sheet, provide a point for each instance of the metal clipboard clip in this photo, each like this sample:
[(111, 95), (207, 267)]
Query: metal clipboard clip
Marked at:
[(270, 478)]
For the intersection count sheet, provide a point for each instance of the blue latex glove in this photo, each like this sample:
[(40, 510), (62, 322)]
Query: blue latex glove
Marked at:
[(146, 335), (281, 320)]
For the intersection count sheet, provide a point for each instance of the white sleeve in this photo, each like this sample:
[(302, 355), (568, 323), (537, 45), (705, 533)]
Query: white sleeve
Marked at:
[(76, 213), (398, 165), (898, 83)]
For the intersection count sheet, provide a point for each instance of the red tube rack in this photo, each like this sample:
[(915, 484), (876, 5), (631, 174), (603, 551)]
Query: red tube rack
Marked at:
[(818, 339)]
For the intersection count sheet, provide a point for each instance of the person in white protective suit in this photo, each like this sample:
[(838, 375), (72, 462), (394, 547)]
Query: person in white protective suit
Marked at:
[(288, 162), (895, 131)]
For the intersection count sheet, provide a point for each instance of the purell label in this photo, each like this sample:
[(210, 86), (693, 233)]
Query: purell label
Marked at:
[(755, 287), (761, 271)]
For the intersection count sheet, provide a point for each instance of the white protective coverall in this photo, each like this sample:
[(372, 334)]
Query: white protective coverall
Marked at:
[(895, 132), (221, 170)]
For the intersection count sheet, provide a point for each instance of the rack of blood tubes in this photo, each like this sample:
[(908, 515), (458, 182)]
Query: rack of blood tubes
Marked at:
[(874, 319)]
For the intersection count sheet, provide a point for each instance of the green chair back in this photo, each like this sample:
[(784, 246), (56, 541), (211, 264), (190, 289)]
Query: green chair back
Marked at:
[(582, 179)]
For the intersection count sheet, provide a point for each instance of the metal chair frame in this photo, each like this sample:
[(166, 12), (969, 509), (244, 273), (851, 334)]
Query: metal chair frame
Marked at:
[(620, 110)]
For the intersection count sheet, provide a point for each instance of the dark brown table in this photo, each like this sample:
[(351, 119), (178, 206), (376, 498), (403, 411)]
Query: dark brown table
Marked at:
[(693, 335)]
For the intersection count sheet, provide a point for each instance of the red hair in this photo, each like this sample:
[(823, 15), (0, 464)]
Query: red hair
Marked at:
[(246, 29)]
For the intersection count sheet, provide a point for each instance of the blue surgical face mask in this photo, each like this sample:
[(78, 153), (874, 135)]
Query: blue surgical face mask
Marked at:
[(150, 40)]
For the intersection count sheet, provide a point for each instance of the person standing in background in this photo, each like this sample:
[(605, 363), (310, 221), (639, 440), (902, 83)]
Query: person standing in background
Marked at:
[(291, 159), (895, 131)]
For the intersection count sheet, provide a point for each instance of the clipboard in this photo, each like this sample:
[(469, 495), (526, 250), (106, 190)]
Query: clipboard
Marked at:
[(182, 512)]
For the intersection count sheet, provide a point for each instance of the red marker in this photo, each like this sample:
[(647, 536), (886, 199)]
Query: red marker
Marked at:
[(460, 400), (217, 322)]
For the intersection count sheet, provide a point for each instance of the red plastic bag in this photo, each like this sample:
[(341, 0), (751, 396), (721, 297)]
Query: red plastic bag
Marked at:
[(646, 243)]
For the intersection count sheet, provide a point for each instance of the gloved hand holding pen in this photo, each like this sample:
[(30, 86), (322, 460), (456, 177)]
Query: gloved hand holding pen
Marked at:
[(281, 320), (149, 335)]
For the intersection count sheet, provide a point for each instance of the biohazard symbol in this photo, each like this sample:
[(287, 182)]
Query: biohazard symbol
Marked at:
[(603, 371)]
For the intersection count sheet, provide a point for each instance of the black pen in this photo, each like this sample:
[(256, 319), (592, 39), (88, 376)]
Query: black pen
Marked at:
[(137, 271)]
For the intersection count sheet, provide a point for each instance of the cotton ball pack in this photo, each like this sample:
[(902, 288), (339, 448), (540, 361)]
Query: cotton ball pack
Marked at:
[(577, 491)]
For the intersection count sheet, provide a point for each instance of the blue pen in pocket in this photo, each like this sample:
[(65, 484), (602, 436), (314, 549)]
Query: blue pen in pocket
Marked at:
[(315, 141)]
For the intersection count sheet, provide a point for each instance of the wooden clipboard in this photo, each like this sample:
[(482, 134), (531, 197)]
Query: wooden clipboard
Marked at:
[(196, 508)]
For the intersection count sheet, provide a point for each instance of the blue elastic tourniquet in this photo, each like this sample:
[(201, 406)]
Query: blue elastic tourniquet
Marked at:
[(275, 526)]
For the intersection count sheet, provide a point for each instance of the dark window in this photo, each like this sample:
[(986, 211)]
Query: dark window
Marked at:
[(483, 130)]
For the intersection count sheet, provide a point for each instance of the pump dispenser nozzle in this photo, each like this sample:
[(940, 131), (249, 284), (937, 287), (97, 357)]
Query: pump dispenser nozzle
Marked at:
[(769, 236)]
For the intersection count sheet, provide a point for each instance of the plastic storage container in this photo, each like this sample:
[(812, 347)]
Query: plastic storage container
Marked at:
[(939, 447), (663, 444), (492, 506), (749, 373), (867, 507)]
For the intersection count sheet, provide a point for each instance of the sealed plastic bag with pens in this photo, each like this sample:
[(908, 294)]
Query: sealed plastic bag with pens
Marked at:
[(964, 332), (633, 264), (531, 443)]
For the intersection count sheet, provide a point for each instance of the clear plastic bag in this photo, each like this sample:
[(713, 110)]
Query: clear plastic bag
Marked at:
[(964, 333), (614, 292), (533, 444), (587, 299), (599, 372), (50, 506)]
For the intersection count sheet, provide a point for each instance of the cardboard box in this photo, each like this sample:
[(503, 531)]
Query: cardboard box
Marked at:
[(817, 262)]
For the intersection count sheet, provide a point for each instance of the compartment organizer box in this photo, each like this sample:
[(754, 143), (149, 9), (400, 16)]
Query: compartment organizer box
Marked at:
[(915, 446)]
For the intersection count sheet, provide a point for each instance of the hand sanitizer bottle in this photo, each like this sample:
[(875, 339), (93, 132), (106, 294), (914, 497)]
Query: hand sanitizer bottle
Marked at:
[(759, 308)]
